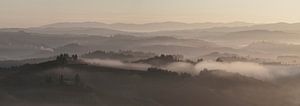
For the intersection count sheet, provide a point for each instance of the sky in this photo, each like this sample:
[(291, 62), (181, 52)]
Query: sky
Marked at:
[(26, 13)]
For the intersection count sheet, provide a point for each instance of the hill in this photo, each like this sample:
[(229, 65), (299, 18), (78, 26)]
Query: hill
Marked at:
[(259, 35), (25, 45), (273, 47), (76, 31), (161, 60), (147, 27), (67, 81), (126, 56)]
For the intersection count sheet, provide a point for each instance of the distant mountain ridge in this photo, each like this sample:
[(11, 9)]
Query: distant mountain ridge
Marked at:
[(260, 35), (147, 27)]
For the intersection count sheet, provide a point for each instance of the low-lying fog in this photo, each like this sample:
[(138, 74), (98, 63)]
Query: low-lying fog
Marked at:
[(250, 69), (117, 64), (255, 70)]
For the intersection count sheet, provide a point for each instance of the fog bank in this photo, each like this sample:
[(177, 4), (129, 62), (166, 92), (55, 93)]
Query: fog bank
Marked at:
[(117, 64)]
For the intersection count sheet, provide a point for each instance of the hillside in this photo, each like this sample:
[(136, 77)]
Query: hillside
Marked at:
[(259, 35), (126, 56), (161, 60), (273, 47), (25, 45), (66, 81)]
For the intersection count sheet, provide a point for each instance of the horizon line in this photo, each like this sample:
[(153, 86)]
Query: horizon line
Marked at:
[(158, 22)]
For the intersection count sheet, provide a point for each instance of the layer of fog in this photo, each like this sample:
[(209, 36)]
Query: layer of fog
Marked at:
[(248, 69), (117, 64), (255, 70)]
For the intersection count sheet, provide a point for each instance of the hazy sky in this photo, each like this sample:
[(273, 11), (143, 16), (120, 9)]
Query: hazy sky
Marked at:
[(22, 13)]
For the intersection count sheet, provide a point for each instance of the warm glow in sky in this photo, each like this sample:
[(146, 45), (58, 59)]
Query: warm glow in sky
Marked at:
[(24, 13)]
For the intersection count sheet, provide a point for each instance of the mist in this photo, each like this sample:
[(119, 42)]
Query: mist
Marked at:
[(182, 67), (254, 70), (245, 68), (117, 64)]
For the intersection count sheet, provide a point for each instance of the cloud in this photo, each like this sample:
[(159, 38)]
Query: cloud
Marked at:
[(46, 49), (182, 67)]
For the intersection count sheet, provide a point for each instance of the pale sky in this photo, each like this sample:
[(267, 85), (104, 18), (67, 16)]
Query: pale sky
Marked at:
[(25, 13)]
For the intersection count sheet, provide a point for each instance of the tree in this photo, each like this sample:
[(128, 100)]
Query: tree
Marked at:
[(199, 60), (219, 59), (63, 58), (74, 57)]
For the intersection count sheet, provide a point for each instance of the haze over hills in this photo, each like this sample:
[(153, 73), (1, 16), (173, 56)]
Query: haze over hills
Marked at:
[(147, 27), (20, 45), (286, 32), (288, 27), (273, 47), (149, 53), (169, 26), (210, 63), (254, 35), (50, 40)]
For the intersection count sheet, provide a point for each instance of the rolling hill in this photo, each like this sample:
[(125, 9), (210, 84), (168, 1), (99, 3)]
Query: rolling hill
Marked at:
[(73, 82)]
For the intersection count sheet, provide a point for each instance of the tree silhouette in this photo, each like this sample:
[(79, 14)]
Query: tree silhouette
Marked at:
[(74, 57), (200, 60), (219, 59), (62, 58)]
